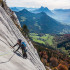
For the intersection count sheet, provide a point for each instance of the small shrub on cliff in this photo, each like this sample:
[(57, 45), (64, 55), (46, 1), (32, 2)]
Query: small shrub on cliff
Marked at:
[(25, 29), (53, 62), (62, 67)]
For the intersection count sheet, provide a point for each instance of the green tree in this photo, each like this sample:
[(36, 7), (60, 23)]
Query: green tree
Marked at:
[(25, 30)]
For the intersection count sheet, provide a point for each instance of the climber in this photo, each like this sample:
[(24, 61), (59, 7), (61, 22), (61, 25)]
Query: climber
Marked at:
[(21, 45)]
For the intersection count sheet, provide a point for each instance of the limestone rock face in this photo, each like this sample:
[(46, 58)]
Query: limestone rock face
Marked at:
[(9, 34)]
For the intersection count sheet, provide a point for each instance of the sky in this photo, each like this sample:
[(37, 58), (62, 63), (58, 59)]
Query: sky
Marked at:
[(51, 4)]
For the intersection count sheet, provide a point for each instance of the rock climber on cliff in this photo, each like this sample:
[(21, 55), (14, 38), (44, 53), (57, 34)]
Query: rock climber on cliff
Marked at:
[(21, 45)]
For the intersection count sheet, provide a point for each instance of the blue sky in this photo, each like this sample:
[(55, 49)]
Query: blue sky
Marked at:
[(51, 4)]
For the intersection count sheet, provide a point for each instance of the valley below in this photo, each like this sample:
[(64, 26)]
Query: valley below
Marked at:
[(49, 32)]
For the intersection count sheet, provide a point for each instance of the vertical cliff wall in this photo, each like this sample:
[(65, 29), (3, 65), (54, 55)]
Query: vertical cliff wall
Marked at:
[(9, 34)]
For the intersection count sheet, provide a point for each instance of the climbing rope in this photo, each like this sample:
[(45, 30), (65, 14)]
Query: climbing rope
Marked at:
[(10, 57), (7, 54), (8, 60)]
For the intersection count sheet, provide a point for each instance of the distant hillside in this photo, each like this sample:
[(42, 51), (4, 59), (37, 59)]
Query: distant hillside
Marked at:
[(62, 10), (41, 23), (14, 9), (43, 9), (21, 8), (62, 15)]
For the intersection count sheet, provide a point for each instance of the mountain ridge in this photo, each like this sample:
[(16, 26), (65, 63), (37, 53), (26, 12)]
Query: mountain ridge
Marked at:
[(43, 9), (40, 22)]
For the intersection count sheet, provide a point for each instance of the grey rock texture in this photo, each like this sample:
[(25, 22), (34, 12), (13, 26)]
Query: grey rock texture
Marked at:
[(9, 34)]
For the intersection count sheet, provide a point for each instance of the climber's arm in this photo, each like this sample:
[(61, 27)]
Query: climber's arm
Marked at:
[(15, 45), (17, 49)]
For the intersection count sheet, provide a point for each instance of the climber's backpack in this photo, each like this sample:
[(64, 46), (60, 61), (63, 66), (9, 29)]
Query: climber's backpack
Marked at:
[(23, 43), (24, 46)]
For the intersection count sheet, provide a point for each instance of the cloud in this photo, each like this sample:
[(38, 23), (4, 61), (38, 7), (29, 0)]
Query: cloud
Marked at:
[(51, 4), (58, 4)]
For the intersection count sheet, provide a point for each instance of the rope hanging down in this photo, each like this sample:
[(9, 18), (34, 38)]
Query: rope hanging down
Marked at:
[(7, 54), (10, 57), (8, 60)]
